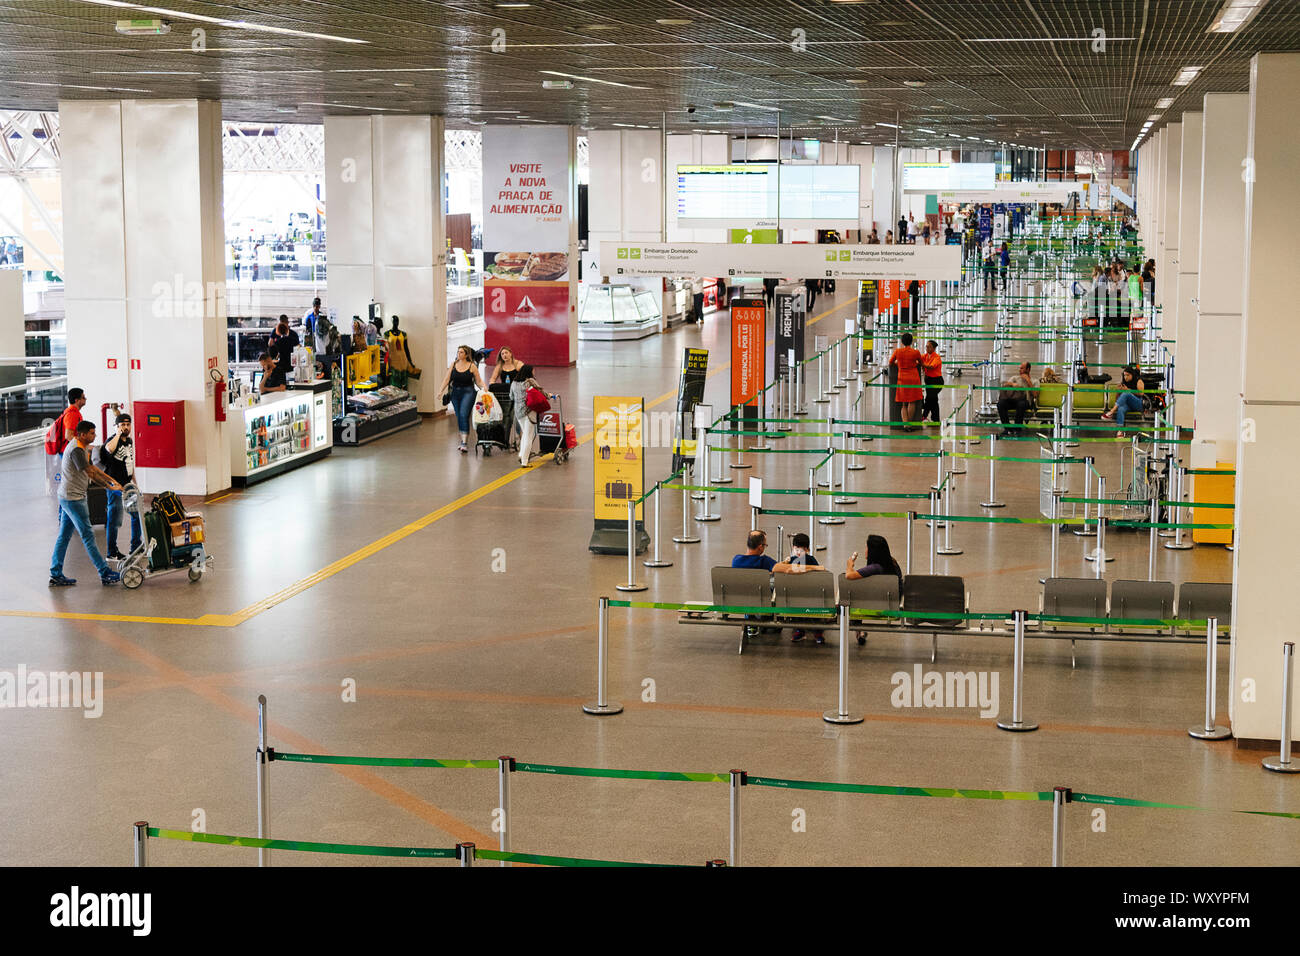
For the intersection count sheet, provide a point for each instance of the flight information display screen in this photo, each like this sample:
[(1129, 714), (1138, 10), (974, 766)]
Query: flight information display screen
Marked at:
[(942, 177), (750, 195)]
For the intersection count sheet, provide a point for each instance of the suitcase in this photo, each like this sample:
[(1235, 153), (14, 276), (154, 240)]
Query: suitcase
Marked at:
[(158, 530)]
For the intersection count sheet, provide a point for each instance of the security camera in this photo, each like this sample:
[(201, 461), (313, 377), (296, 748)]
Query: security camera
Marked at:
[(690, 109)]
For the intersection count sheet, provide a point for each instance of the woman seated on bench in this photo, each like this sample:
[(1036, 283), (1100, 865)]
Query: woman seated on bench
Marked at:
[(1129, 399), (879, 561)]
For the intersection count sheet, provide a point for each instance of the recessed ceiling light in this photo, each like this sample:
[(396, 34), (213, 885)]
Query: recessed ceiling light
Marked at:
[(914, 83), (403, 83), (219, 21), (1235, 15), (1186, 75), (1153, 117), (1164, 102), (891, 23), (591, 79), (919, 130), (890, 125), (512, 6), (673, 22), (601, 26)]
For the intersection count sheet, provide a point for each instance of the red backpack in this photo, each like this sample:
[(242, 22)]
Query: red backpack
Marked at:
[(54, 440)]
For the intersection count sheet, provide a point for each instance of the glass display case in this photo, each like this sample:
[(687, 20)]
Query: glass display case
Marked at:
[(612, 312), (280, 432)]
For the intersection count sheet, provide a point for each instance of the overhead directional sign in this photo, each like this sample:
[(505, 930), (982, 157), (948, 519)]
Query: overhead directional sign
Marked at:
[(797, 260)]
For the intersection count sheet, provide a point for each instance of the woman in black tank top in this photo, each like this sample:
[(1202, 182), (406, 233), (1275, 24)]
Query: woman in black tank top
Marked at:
[(463, 380)]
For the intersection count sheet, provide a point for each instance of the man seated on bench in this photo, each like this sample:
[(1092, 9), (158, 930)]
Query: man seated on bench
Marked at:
[(754, 557)]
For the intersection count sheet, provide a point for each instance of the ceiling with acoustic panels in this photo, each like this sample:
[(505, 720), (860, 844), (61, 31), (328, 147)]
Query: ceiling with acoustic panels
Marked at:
[(1075, 73)]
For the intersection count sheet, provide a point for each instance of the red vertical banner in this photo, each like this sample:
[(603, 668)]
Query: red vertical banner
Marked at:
[(748, 350)]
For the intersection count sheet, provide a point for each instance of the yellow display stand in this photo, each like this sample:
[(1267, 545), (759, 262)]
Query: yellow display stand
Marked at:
[(362, 365), (1214, 489)]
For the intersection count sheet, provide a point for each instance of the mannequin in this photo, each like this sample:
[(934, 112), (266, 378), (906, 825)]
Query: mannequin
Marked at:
[(400, 364)]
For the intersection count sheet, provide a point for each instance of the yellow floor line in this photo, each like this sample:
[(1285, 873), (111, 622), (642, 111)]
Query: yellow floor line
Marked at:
[(347, 561)]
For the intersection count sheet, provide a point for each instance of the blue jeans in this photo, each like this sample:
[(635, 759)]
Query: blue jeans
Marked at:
[(75, 515), (114, 522), (462, 400), (1127, 402)]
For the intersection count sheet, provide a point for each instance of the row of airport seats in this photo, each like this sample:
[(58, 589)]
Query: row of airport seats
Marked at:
[(1088, 399), (919, 595)]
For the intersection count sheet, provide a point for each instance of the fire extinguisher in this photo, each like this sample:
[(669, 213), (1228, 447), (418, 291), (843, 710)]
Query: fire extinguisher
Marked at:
[(219, 394)]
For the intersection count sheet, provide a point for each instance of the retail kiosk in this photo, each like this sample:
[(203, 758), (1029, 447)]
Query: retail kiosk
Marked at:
[(282, 431)]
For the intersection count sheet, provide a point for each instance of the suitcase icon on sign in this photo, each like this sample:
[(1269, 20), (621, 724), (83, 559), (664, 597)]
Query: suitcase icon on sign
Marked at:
[(618, 489)]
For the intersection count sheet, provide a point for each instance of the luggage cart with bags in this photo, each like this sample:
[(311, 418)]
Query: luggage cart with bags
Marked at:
[(172, 539), (554, 435), (496, 430)]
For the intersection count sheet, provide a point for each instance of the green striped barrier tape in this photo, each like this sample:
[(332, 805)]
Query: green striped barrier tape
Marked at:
[(835, 514), (1197, 504), (303, 846), (1210, 471), (726, 608), (561, 771), (898, 791), (1163, 525), (542, 859), (1130, 802), (386, 761)]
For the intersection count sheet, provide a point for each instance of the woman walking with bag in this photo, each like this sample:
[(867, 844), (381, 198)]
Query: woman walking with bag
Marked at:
[(524, 386), (464, 381)]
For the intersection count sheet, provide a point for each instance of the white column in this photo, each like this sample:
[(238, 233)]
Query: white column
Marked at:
[(1221, 271), (387, 238), (1188, 265), (145, 268), (1166, 265), (863, 157), (1268, 519), (884, 208), (625, 191)]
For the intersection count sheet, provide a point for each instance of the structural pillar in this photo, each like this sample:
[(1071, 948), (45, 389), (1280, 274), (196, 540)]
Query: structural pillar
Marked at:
[(1187, 262), (387, 236), (145, 292), (1267, 518), (1221, 251), (1167, 264), (625, 194)]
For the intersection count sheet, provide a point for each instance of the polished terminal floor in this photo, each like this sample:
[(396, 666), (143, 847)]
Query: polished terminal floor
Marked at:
[(377, 566)]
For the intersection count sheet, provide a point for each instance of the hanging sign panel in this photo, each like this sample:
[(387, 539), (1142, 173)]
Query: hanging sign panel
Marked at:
[(802, 260), (526, 241)]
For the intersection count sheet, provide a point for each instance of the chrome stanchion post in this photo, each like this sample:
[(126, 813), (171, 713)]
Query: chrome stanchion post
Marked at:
[(822, 392), (263, 782), (465, 853), (632, 583), (139, 839), (738, 780), (1060, 797), (602, 707), (947, 548), (1017, 722), (1085, 531), (1176, 512), (993, 467), (934, 523), (655, 562), (1056, 532), (1284, 763), (911, 520), (686, 537), (842, 715), (1151, 537), (705, 514), (505, 767), (844, 464), (1211, 731), (812, 509)]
